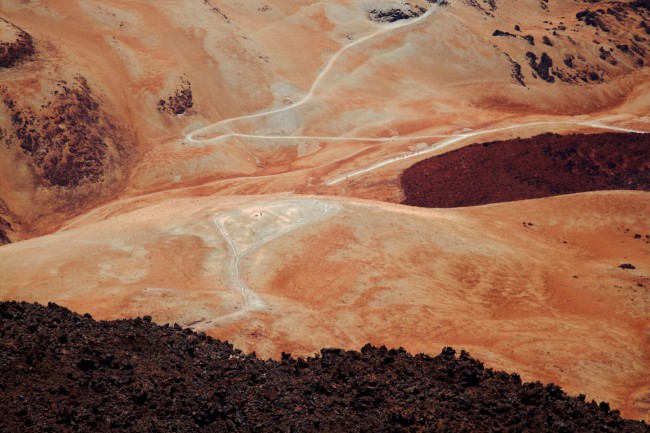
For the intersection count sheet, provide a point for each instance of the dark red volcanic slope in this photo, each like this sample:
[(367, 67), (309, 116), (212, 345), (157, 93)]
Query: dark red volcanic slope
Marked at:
[(4, 227), (15, 50), (542, 166), (63, 372)]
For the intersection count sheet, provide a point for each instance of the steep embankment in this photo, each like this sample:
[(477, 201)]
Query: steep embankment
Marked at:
[(65, 372), (64, 146), (542, 166)]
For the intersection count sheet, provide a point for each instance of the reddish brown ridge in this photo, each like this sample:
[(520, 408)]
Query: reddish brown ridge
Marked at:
[(542, 166)]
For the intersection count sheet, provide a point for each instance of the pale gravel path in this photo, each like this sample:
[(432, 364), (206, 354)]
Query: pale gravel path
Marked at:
[(319, 78), (250, 300), (448, 139)]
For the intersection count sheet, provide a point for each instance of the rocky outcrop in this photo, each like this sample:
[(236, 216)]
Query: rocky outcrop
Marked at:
[(16, 49), (180, 101), (591, 18), (602, 41), (67, 138), (4, 228), (542, 166), (63, 372), (516, 71), (391, 15), (541, 67), (485, 6)]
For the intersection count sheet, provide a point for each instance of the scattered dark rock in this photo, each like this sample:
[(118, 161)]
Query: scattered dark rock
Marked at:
[(593, 76), (17, 50), (133, 375), (627, 266), (216, 10), (485, 6), (568, 60), (180, 101), (393, 14), (530, 39), (502, 33), (591, 18), (542, 68), (614, 28), (67, 138), (516, 71), (607, 56), (543, 166)]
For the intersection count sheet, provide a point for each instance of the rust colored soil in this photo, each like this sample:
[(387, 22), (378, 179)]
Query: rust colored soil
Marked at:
[(543, 166)]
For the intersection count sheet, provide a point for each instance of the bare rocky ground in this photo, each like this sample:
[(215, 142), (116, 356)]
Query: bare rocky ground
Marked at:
[(16, 49), (66, 139), (78, 375), (4, 228), (543, 166), (66, 372)]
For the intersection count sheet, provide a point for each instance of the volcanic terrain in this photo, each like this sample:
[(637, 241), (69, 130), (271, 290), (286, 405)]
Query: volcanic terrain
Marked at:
[(238, 168), (543, 166), (66, 372)]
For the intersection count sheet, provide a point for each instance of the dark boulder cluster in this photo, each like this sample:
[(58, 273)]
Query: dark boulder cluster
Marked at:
[(60, 371), (519, 169), (17, 50), (67, 137), (618, 32), (488, 7), (179, 102), (541, 67), (5, 227), (592, 18), (393, 14)]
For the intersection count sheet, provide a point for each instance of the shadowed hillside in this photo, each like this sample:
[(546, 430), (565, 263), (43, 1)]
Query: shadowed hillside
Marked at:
[(65, 372)]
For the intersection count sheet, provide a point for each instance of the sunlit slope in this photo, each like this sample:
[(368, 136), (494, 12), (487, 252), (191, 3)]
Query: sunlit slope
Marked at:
[(533, 286), (130, 67)]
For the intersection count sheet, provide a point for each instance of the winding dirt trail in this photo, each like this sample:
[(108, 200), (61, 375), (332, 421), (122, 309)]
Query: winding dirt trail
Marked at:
[(319, 78), (194, 137), (235, 224), (460, 137), (248, 229)]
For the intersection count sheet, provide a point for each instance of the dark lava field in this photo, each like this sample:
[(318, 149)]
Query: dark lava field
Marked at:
[(542, 166), (62, 372)]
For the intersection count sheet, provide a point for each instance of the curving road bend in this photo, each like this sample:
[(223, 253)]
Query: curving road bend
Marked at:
[(448, 139), (234, 226), (247, 229), (319, 78)]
